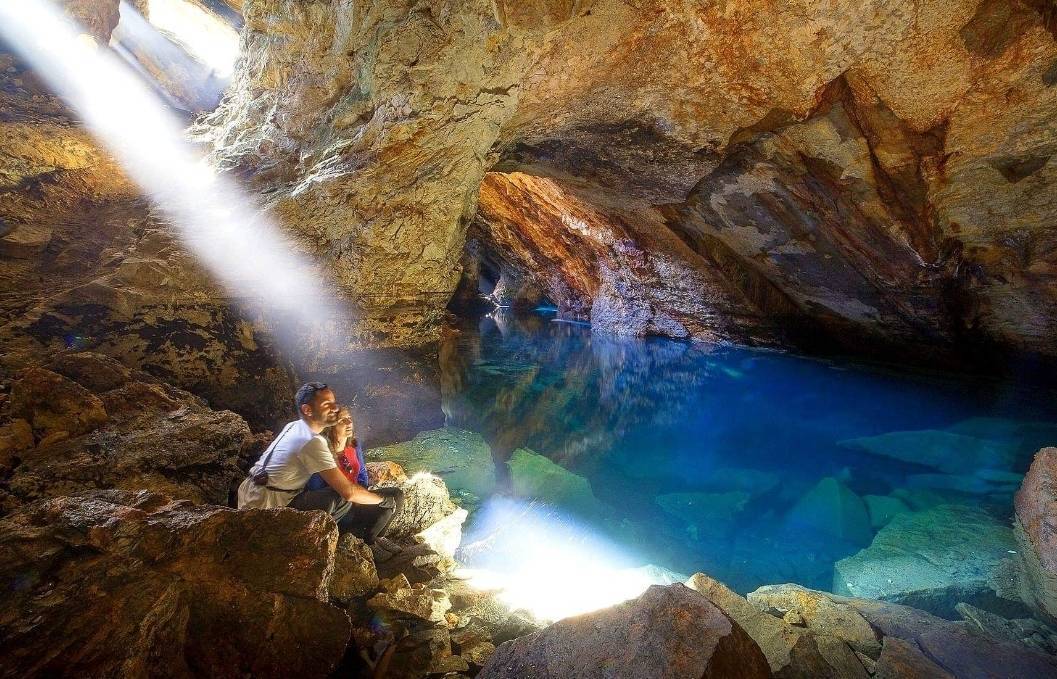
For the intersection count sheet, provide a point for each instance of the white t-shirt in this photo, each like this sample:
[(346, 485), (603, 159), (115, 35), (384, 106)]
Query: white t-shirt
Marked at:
[(296, 455)]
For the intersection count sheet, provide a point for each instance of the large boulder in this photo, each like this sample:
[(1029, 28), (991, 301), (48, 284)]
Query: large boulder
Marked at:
[(461, 458), (54, 405), (149, 436), (932, 560), (1036, 530), (951, 453), (426, 501), (135, 584), (831, 508), (952, 647), (535, 477), (821, 614), (791, 651), (667, 632)]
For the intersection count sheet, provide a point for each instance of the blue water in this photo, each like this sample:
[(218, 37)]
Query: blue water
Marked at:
[(748, 433)]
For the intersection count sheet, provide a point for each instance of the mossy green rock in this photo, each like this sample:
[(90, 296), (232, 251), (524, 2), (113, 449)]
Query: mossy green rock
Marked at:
[(534, 476), (460, 457)]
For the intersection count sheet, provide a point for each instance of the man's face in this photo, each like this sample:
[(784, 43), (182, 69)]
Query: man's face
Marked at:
[(323, 410)]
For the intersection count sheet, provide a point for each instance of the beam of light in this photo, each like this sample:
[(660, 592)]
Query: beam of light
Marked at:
[(220, 225), (547, 564), (209, 39), (188, 82)]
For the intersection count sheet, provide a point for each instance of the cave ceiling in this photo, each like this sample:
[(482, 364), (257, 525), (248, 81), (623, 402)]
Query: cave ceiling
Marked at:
[(863, 174)]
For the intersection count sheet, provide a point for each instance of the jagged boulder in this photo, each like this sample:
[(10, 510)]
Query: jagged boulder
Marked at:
[(667, 632), (1036, 530), (148, 435), (136, 585), (355, 573), (792, 651), (932, 560), (933, 641), (426, 501)]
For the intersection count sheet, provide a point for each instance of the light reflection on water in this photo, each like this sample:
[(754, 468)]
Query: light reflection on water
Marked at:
[(697, 456)]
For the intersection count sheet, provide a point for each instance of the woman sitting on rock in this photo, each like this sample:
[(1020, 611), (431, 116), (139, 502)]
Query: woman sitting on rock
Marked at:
[(367, 521)]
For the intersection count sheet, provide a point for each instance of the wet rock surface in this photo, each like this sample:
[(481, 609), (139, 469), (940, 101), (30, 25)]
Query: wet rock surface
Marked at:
[(125, 583), (910, 641), (1036, 507), (666, 632), (932, 560), (96, 424)]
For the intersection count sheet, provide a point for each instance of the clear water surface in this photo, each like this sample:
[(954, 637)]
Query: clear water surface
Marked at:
[(755, 466)]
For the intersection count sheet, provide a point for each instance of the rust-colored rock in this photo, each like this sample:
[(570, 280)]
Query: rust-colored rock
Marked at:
[(156, 437), (667, 632), (51, 403), (385, 471), (1036, 531), (136, 585)]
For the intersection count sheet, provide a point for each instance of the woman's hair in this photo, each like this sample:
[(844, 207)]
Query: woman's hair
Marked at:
[(331, 432)]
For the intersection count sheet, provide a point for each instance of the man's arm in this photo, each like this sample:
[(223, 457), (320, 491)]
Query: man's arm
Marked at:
[(347, 489)]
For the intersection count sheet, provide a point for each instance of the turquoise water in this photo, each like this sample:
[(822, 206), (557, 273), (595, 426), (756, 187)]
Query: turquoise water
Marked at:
[(757, 467)]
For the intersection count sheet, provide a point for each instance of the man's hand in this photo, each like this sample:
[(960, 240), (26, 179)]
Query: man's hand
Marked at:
[(353, 492)]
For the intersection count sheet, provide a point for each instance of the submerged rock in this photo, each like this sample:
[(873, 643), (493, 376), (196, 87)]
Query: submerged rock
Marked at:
[(931, 560), (1028, 631), (668, 633), (533, 476), (1027, 435), (461, 458), (706, 516), (1036, 530), (135, 584), (833, 509), (883, 509), (948, 452)]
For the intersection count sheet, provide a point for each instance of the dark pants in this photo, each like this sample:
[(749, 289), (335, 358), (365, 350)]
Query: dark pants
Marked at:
[(366, 522)]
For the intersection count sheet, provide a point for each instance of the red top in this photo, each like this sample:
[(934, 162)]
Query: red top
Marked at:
[(349, 463)]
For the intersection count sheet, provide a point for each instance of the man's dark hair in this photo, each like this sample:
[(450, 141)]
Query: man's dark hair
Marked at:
[(306, 393)]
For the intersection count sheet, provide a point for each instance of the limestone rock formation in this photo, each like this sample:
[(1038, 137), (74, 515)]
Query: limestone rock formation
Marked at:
[(667, 632), (86, 264), (1036, 507), (95, 424), (460, 457), (426, 501), (137, 585), (935, 647), (814, 166), (792, 651), (931, 560)]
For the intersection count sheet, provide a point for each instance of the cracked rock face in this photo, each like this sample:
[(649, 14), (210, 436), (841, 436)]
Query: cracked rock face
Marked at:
[(865, 175), (177, 589), (94, 424), (818, 167)]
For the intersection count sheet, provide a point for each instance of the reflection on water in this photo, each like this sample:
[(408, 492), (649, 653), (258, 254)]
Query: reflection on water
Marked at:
[(756, 467)]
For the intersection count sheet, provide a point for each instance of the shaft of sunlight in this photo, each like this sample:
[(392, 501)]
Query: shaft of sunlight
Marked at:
[(549, 565), (207, 38), (219, 223)]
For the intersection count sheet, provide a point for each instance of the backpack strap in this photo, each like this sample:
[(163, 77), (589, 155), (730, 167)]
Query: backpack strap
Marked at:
[(263, 462)]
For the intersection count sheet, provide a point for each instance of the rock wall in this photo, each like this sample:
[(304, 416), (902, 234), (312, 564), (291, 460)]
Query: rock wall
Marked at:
[(823, 166)]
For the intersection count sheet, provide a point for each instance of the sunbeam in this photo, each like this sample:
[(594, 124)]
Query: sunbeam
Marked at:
[(221, 225), (550, 565)]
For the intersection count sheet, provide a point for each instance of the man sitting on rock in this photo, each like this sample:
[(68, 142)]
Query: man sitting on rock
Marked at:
[(279, 478)]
